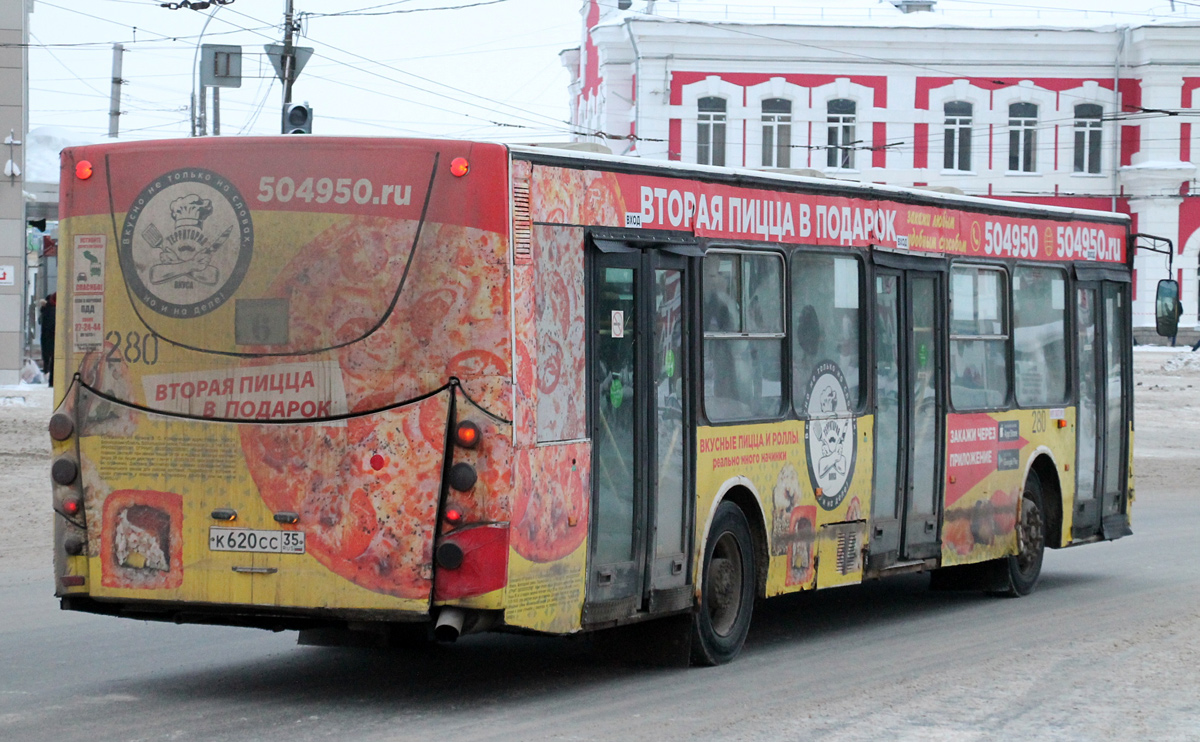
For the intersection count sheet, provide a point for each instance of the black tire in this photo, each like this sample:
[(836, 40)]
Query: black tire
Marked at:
[(1025, 567), (719, 628)]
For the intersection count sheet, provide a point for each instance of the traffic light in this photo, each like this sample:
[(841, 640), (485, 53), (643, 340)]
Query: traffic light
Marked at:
[(297, 118)]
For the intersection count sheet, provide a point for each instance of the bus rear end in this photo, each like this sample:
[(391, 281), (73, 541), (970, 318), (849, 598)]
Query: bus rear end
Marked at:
[(268, 346)]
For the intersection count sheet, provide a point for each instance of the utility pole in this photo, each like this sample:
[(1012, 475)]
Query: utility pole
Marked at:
[(289, 54), (114, 108)]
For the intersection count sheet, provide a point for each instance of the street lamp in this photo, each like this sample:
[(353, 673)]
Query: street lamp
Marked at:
[(198, 5)]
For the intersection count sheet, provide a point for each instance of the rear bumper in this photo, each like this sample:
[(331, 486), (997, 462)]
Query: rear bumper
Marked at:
[(272, 618)]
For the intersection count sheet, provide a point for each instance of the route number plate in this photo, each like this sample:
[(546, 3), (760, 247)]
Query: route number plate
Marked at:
[(248, 539)]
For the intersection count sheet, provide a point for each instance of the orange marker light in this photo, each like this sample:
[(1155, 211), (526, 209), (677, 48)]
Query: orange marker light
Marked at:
[(83, 169), (459, 167), (466, 434)]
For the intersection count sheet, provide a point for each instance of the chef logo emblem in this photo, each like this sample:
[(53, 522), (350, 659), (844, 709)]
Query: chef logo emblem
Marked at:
[(831, 433), (186, 243)]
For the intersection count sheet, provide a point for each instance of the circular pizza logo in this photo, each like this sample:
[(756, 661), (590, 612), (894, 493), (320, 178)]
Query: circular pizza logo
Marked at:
[(832, 434), (186, 243)]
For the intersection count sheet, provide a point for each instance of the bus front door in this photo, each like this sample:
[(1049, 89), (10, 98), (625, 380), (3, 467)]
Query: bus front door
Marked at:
[(640, 431), (1101, 415), (1090, 435), (908, 418)]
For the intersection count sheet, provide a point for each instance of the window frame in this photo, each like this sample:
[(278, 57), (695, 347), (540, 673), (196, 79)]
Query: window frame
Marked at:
[(777, 121), (708, 120), (1025, 130), (865, 329), (785, 411), (845, 124), (1091, 130), (958, 131), (1068, 397), (1006, 316)]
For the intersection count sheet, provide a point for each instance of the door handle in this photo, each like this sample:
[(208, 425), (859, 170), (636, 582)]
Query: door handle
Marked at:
[(676, 566), (929, 526), (604, 576)]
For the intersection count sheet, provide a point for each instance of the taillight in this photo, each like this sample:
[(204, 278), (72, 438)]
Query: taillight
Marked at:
[(61, 426), (466, 434), (459, 167), (64, 471), (454, 516), (378, 462), (463, 476), (71, 506)]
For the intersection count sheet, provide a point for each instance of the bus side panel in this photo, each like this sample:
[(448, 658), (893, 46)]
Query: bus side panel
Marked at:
[(548, 555), (777, 461), (988, 456)]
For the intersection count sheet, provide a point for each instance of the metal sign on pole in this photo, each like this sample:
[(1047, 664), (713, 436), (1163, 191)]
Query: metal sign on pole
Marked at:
[(275, 53), (221, 66)]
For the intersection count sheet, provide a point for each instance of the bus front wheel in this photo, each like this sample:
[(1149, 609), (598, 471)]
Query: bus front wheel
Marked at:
[(1025, 567), (719, 628)]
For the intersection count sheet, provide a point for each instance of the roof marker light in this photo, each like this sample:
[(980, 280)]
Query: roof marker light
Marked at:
[(83, 169), (459, 167)]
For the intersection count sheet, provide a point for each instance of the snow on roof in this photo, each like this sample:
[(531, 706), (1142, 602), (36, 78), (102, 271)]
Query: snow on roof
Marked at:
[(1074, 14)]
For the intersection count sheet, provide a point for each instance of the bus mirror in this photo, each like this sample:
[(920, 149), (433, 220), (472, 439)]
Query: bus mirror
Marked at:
[(1166, 308)]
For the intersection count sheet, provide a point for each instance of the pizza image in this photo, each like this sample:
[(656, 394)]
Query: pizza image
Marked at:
[(366, 488), (549, 518)]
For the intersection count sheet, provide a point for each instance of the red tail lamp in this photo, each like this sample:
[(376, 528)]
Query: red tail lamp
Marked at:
[(453, 516), (71, 506), (83, 169), (466, 434), (459, 167), (377, 462)]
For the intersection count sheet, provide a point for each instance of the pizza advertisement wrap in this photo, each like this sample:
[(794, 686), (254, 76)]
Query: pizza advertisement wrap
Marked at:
[(337, 287)]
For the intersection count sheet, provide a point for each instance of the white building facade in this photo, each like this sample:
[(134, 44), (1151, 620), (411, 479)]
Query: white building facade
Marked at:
[(1093, 116)]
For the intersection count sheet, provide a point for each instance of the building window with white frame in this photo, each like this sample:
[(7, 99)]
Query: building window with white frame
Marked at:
[(958, 136), (1087, 137), (841, 141), (710, 131), (1022, 137), (776, 132)]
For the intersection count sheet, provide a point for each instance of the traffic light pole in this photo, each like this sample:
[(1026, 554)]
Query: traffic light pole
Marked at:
[(289, 55)]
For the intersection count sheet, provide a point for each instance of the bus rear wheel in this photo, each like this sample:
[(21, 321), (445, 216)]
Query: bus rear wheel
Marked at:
[(1025, 567), (719, 628)]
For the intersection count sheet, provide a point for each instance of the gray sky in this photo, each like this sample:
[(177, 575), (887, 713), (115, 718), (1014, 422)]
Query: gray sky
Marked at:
[(451, 73)]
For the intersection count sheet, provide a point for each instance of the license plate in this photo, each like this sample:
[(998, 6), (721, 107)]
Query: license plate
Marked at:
[(249, 539)]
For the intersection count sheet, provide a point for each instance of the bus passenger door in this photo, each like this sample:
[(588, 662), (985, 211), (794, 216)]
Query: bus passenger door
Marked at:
[(1114, 303), (640, 433), (908, 417), (1089, 435)]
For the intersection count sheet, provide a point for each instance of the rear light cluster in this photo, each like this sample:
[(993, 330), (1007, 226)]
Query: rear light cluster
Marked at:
[(68, 500), (462, 478)]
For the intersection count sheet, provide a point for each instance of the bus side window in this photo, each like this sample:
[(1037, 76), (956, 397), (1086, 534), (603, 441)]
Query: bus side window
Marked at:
[(743, 336), (978, 338), (1040, 335), (826, 321)]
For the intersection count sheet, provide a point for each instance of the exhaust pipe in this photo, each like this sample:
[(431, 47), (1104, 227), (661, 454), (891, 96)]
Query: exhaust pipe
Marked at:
[(449, 624)]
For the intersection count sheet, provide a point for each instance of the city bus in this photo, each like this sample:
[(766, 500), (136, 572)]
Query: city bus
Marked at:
[(398, 385)]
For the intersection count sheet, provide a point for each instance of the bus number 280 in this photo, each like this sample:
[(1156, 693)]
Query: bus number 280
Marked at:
[(132, 347)]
